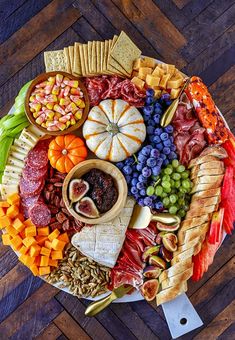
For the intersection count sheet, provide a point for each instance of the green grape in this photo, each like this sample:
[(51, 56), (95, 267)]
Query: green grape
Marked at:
[(181, 213), (181, 194), (168, 171), (166, 178), (176, 176), (185, 174), (186, 184), (158, 190), (173, 209), (173, 198), (182, 190), (181, 201), (166, 202), (175, 163), (166, 184), (177, 184), (150, 191), (167, 190), (172, 182), (164, 194), (180, 168)]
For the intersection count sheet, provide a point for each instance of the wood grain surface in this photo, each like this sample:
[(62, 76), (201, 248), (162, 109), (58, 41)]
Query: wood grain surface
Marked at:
[(196, 35)]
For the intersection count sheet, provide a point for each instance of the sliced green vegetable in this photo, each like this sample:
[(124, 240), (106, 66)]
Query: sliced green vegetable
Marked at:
[(14, 132), (19, 109), (14, 121), (4, 151)]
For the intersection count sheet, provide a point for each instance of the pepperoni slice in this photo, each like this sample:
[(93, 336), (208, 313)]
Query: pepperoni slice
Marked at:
[(28, 202), (37, 157), (33, 174), (30, 188), (40, 215)]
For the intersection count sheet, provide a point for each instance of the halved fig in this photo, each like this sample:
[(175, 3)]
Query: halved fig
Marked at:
[(170, 241), (165, 254), (164, 227), (87, 208), (157, 261), (77, 189), (149, 289), (152, 272), (150, 251)]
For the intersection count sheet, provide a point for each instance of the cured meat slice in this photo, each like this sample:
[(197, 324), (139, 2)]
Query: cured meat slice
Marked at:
[(33, 174), (37, 157), (40, 215), (28, 202), (30, 188)]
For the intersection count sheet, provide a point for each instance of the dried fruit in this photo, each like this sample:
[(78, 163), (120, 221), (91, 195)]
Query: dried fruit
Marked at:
[(164, 227), (149, 289), (165, 254), (152, 272), (77, 189), (170, 241), (150, 251), (87, 208), (157, 261)]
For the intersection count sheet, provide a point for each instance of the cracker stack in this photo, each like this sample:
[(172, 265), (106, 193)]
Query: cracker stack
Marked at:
[(110, 57)]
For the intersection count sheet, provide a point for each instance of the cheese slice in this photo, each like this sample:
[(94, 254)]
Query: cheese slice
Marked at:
[(7, 190), (8, 180), (103, 242), (14, 161)]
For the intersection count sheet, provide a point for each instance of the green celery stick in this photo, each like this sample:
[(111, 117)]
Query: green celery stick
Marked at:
[(14, 121), (4, 151), (18, 129), (19, 109)]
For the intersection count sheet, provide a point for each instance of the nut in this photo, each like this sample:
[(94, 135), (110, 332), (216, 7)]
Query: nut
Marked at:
[(170, 241)]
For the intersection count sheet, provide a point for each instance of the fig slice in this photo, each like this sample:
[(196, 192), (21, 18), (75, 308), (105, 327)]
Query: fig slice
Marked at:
[(152, 272), (157, 261), (149, 289), (86, 207), (164, 227), (77, 189), (170, 241), (150, 251)]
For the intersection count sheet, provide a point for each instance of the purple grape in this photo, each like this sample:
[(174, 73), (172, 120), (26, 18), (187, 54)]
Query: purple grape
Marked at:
[(141, 158), (156, 139), (142, 192), (159, 162), (150, 92), (164, 136), (149, 100), (166, 150), (157, 108), (141, 202), (165, 96), (158, 131), (169, 129), (168, 102), (134, 181), (154, 153), (146, 150), (159, 146), (127, 169), (141, 178), (156, 170), (129, 161), (148, 201), (157, 118), (151, 138), (135, 174), (151, 122), (148, 110), (162, 156), (140, 185), (139, 167), (159, 205), (166, 162), (171, 139), (134, 190), (128, 179), (146, 172), (167, 143), (150, 130), (172, 156), (173, 147), (120, 165), (151, 162)]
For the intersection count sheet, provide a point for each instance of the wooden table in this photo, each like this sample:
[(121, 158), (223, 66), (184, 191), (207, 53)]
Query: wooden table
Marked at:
[(197, 36)]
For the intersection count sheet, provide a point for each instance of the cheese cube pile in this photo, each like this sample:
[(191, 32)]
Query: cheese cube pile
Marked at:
[(160, 77), (38, 249)]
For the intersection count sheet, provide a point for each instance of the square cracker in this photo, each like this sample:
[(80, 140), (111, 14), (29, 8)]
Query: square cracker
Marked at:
[(113, 66), (98, 48), (86, 62), (93, 57), (77, 69), (67, 60), (71, 56), (125, 52), (82, 60), (102, 46), (89, 56), (55, 61)]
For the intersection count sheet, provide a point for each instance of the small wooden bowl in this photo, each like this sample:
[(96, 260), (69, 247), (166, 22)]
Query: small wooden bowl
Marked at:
[(44, 76), (79, 170)]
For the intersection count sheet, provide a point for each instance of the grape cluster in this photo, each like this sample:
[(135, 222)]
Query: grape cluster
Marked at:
[(141, 170)]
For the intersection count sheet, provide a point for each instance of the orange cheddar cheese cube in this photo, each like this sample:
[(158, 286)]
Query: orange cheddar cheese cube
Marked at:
[(28, 223), (43, 231), (2, 212), (16, 242), (13, 211), (44, 270), (30, 231), (4, 204), (20, 217), (29, 261), (34, 269), (22, 233), (57, 244), (64, 237), (48, 244), (13, 199), (53, 263), (34, 250), (5, 221), (23, 250), (6, 239), (41, 240), (22, 258), (53, 235), (11, 231), (37, 260), (44, 261), (45, 251), (56, 255), (18, 225), (29, 241)]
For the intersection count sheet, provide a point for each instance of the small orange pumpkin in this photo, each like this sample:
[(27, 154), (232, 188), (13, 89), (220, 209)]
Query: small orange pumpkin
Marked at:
[(66, 151)]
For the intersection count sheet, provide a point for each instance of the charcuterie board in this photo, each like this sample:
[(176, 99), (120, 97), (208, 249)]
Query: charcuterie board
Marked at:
[(158, 142)]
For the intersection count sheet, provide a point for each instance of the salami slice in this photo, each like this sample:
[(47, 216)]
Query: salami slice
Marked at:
[(37, 157), (34, 174), (40, 215), (28, 202), (30, 188)]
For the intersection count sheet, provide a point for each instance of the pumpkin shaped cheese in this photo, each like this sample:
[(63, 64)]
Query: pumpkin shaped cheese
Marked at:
[(66, 151), (114, 130)]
